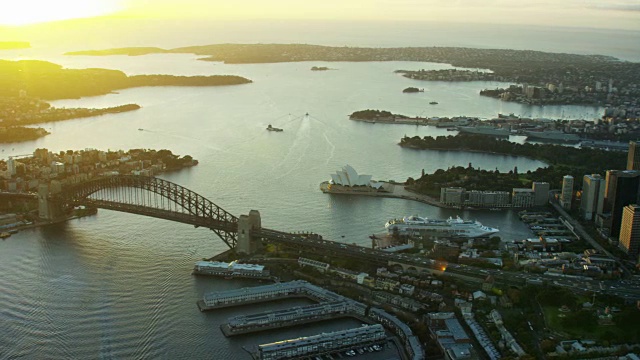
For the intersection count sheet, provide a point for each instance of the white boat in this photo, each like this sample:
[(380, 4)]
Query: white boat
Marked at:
[(452, 227)]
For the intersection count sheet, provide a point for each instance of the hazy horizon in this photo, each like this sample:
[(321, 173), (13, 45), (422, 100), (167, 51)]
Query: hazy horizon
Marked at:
[(84, 34), (612, 14)]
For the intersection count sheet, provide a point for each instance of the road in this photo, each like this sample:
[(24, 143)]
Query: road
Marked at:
[(583, 234)]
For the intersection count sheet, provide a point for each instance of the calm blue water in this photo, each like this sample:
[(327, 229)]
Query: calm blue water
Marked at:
[(119, 286)]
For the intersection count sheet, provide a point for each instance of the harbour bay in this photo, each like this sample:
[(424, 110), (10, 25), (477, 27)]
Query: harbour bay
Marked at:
[(119, 285)]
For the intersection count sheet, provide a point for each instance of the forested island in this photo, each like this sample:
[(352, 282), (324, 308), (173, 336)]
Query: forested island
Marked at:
[(412, 90), (574, 161), (42, 79)]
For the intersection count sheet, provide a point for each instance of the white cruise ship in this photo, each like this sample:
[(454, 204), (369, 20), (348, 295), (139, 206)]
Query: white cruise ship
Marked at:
[(446, 228)]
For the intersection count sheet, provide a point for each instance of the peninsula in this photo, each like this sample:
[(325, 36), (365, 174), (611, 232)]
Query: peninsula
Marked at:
[(40, 79), (18, 112), (386, 117), (576, 73), (574, 161)]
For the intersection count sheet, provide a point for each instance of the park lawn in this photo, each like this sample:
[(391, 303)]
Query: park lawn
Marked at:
[(554, 322)]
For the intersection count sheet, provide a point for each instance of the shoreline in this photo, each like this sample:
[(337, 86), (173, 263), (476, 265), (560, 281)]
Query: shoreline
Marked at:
[(392, 190)]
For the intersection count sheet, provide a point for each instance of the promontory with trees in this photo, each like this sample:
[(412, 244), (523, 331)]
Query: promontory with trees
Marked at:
[(576, 73), (24, 83), (574, 161)]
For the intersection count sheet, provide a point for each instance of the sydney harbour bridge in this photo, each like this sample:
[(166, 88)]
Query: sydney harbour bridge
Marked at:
[(155, 197)]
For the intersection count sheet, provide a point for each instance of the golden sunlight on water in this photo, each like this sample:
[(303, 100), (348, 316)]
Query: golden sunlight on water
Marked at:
[(27, 12)]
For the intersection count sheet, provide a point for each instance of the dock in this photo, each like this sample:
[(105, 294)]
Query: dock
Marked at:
[(264, 293), (244, 324), (325, 343)]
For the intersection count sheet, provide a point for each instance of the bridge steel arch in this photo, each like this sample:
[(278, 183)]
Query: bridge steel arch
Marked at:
[(150, 196)]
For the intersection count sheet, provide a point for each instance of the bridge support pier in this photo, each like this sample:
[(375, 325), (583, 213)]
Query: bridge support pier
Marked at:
[(47, 210), (246, 244)]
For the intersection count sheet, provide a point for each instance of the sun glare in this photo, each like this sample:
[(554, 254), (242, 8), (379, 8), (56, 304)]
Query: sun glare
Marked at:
[(25, 12)]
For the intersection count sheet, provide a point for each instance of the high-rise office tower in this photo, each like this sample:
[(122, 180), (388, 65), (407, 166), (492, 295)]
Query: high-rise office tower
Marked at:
[(567, 191), (592, 195), (630, 231), (633, 158), (621, 189)]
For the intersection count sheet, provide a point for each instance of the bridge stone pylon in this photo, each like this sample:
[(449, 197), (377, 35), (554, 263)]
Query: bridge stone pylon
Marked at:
[(46, 209), (247, 224)]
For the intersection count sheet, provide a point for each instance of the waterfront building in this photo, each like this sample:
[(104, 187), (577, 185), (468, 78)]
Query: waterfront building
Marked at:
[(622, 188), (488, 199), (633, 157), (523, 197), (592, 200), (541, 193), (567, 192), (232, 269), (318, 344), (452, 196), (630, 231)]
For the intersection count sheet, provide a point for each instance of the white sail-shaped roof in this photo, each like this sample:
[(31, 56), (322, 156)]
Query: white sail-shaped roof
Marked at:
[(348, 176)]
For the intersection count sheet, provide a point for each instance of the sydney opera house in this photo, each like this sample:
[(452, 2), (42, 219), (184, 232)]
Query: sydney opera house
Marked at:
[(348, 176)]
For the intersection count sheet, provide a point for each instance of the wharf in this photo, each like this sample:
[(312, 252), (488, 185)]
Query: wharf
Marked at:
[(204, 307), (226, 329)]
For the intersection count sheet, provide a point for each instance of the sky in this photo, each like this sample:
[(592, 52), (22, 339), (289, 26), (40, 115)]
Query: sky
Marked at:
[(612, 14)]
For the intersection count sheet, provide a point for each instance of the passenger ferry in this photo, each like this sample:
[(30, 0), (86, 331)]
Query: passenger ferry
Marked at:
[(449, 227)]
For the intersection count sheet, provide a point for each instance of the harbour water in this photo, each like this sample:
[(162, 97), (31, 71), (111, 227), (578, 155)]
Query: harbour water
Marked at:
[(117, 285)]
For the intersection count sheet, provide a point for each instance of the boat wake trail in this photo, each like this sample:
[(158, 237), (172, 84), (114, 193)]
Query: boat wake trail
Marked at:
[(332, 146), (298, 149)]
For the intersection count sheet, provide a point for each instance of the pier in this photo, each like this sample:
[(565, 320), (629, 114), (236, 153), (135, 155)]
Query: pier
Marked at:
[(322, 344), (243, 324), (231, 270), (251, 295), (331, 305)]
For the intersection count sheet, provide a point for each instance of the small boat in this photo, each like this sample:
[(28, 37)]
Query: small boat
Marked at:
[(140, 129), (4, 235), (433, 103), (271, 128)]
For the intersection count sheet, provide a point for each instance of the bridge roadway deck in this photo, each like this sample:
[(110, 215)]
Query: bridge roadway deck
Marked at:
[(166, 215)]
